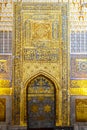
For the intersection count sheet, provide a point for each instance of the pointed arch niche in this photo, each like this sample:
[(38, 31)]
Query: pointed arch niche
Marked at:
[(41, 85)]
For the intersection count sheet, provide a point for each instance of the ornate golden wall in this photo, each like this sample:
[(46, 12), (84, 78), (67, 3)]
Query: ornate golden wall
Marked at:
[(40, 47)]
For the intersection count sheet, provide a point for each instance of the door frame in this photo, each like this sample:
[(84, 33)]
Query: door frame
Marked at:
[(50, 128)]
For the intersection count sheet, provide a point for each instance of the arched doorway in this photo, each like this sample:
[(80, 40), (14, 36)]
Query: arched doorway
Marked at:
[(41, 105)]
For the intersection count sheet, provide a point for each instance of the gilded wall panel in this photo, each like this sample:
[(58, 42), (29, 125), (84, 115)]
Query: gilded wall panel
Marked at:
[(78, 112), (2, 110), (5, 91), (41, 41), (41, 44), (5, 108), (41, 30), (81, 110), (78, 91), (78, 83), (4, 83), (49, 68)]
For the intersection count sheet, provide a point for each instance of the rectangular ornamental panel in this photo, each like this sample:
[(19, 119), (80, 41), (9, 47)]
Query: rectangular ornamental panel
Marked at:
[(2, 110), (81, 110), (40, 46)]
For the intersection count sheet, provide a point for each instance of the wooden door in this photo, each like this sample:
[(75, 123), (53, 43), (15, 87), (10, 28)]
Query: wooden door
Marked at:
[(41, 103)]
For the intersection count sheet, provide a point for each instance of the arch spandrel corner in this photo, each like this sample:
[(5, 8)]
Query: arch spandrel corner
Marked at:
[(46, 74)]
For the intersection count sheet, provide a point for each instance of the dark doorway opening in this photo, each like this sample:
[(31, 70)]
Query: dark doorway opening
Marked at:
[(41, 107)]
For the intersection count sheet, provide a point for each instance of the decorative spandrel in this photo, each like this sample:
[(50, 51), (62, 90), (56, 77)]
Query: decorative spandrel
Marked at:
[(41, 103)]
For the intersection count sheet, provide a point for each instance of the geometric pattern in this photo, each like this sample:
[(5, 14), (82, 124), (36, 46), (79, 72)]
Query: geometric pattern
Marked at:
[(78, 42), (40, 85), (40, 95), (81, 65), (5, 42), (41, 31), (41, 112), (5, 67), (78, 66)]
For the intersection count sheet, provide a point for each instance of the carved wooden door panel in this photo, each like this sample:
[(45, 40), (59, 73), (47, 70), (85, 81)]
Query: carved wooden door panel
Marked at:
[(41, 103)]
